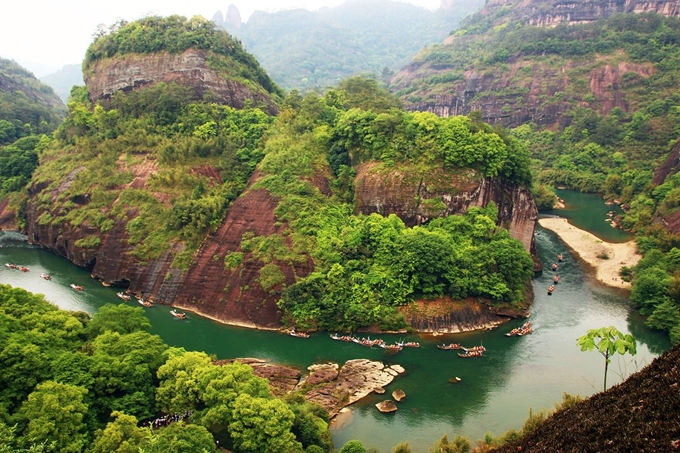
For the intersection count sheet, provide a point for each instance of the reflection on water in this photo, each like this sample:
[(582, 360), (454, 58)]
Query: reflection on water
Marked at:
[(496, 391)]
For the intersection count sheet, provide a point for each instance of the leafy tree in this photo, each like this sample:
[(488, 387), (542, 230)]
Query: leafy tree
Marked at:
[(122, 435), (10, 444), (458, 445), (650, 290), (55, 414), (124, 369), (544, 197), (262, 425), (402, 447), (353, 446), (180, 438), (608, 341), (189, 381), (665, 316), (118, 318)]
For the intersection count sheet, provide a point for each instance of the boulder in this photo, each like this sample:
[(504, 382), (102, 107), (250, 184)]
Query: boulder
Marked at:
[(386, 406), (398, 394)]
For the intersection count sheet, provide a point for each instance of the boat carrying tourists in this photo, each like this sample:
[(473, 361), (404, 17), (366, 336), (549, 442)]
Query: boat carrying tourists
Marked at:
[(294, 333), (177, 314)]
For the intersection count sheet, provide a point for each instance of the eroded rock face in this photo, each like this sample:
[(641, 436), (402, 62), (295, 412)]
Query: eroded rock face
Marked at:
[(356, 379), (405, 195), (190, 68), (445, 316), (528, 89), (487, 92), (669, 168), (555, 12), (8, 220), (328, 384)]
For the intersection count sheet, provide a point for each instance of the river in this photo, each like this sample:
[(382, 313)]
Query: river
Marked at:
[(496, 391)]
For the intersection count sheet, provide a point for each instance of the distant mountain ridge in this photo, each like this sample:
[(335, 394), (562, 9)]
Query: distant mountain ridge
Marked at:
[(530, 61), (308, 50), (64, 79)]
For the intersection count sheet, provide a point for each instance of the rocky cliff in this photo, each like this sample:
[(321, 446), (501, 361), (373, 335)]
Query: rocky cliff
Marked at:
[(489, 92), (529, 81), (418, 197), (555, 12), (191, 68), (234, 294), (671, 166)]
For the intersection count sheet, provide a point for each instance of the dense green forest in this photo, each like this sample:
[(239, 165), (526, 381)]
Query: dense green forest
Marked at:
[(314, 50), (28, 110), (75, 383)]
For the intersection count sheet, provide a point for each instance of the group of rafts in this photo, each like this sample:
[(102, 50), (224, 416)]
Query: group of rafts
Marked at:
[(148, 304), (45, 276), (556, 278), (392, 347), (475, 351), (123, 295), (17, 267)]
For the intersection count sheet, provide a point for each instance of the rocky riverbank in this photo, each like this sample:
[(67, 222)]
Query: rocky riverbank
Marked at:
[(329, 384)]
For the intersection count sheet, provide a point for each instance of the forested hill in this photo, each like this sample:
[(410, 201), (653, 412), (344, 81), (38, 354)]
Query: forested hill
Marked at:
[(594, 93), (334, 215), (316, 49), (27, 106), (192, 53), (29, 109)]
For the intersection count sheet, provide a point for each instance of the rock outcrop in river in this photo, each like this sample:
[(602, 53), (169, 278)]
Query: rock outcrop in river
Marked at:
[(328, 384)]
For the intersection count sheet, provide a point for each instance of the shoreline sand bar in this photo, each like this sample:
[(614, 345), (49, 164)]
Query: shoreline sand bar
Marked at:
[(588, 246)]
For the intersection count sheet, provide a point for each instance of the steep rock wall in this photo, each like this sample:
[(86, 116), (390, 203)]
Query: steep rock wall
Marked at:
[(528, 89), (8, 220), (554, 12), (190, 68), (503, 100), (416, 198), (235, 295), (669, 168)]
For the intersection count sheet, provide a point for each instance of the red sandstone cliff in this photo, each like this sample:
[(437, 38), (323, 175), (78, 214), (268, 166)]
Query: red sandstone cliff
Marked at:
[(417, 198), (190, 68), (669, 168), (235, 295), (527, 88)]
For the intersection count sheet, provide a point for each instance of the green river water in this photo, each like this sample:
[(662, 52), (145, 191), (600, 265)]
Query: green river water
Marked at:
[(496, 391)]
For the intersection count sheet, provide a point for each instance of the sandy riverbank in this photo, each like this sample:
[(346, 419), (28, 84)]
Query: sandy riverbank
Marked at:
[(588, 247)]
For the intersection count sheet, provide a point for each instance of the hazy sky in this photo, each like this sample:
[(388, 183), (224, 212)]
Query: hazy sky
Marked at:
[(44, 35)]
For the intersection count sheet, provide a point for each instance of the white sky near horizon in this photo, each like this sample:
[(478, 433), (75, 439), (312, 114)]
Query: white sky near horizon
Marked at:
[(45, 35)]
